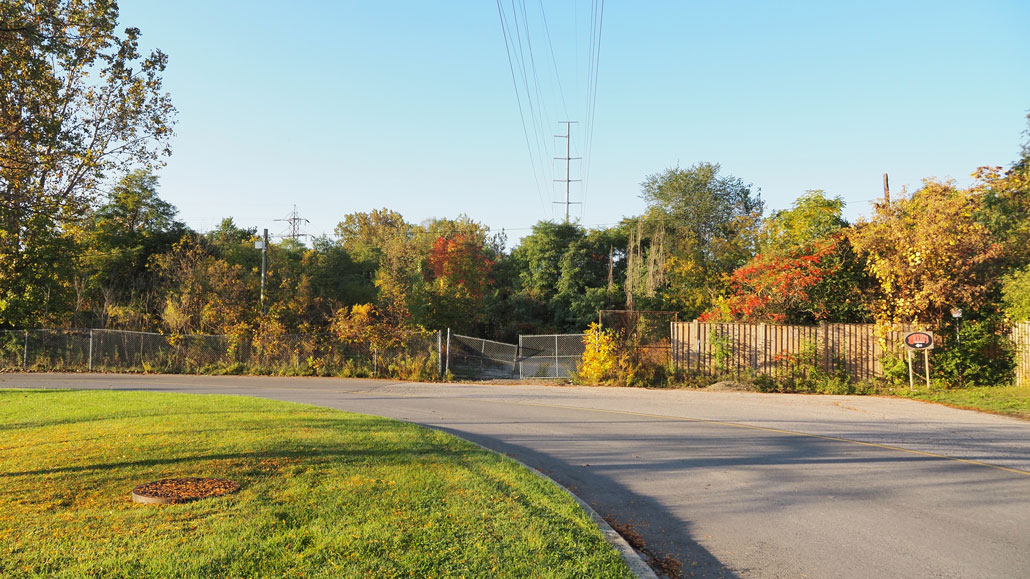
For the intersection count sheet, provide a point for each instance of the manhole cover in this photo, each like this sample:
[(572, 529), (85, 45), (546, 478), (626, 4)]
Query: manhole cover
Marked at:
[(182, 490)]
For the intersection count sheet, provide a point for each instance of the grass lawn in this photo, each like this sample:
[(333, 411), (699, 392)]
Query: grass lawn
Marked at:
[(324, 494), (1010, 400)]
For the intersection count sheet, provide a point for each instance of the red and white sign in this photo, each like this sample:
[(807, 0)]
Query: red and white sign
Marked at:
[(919, 340)]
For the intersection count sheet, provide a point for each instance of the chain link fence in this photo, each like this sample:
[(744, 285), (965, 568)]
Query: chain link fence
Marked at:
[(417, 356), (555, 356), (414, 356), (475, 358), (550, 356)]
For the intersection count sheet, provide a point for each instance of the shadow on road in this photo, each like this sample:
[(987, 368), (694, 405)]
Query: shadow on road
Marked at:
[(663, 538)]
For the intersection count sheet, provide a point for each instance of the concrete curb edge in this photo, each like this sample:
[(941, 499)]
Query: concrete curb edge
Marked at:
[(633, 559)]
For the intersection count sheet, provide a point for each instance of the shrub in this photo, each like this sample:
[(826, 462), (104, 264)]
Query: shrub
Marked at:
[(599, 357), (974, 353)]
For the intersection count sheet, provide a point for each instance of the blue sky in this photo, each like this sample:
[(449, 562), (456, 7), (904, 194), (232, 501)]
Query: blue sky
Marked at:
[(338, 107)]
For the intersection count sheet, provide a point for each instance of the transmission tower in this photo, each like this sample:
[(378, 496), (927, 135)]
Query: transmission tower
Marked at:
[(568, 166), (294, 220)]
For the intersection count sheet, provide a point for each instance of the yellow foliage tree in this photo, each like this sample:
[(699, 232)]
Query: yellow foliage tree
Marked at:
[(928, 254), (600, 358)]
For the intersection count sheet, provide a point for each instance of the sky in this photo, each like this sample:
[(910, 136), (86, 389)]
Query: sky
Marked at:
[(416, 106)]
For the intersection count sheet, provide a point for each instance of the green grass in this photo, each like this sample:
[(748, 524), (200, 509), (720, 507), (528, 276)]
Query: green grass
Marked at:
[(324, 494), (1008, 400)]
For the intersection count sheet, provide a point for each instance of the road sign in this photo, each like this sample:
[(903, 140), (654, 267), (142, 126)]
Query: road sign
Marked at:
[(919, 340)]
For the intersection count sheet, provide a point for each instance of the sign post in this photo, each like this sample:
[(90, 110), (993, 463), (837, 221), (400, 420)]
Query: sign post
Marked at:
[(911, 380), (926, 364), (915, 341)]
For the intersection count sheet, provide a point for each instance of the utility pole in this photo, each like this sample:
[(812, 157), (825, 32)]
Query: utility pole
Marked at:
[(886, 190), (264, 268), (294, 228), (568, 162)]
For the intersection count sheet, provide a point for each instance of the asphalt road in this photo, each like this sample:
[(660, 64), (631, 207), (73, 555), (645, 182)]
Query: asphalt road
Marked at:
[(729, 484)]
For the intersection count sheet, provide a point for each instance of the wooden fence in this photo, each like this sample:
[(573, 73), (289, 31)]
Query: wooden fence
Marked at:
[(778, 351), (1021, 338), (784, 352)]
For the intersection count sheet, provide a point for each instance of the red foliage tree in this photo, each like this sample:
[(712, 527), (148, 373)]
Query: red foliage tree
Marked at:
[(461, 263), (819, 282)]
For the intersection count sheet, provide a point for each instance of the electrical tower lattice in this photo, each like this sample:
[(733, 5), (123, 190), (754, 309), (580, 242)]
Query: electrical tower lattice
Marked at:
[(294, 220)]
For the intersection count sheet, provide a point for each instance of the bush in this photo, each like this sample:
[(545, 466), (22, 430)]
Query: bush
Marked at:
[(600, 359), (974, 353)]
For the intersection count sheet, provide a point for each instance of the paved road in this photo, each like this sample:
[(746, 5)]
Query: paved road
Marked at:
[(730, 484)]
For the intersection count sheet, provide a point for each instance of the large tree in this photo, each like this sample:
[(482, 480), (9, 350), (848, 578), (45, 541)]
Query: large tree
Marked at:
[(699, 227), (563, 275), (78, 102), (117, 243), (388, 249), (1006, 213), (929, 254), (805, 271)]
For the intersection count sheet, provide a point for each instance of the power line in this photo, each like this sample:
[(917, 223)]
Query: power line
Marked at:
[(535, 95), (554, 60), (535, 120), (521, 111), (518, 98), (595, 56)]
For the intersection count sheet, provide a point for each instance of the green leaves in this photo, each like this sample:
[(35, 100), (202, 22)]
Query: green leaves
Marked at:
[(77, 103), (699, 227)]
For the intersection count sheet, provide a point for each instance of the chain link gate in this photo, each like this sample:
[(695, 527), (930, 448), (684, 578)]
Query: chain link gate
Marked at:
[(550, 356), (473, 358)]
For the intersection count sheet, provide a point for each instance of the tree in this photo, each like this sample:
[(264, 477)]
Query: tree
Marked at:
[(389, 249), (1005, 209), (1006, 214), (699, 227), (77, 102), (805, 272), (811, 218), (118, 241), (234, 244), (591, 276), (562, 275), (367, 237), (929, 254), (459, 269), (539, 257), (200, 293), (1016, 292), (331, 280)]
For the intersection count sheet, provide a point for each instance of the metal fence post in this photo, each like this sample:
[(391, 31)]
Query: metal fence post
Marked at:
[(447, 368), (25, 353), (375, 362), (555, 356), (439, 353), (519, 353), (89, 364), (515, 358)]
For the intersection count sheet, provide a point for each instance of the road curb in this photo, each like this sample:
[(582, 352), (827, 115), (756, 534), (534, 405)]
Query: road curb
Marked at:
[(633, 559)]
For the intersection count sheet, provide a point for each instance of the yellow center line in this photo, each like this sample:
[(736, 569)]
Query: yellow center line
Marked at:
[(738, 425)]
